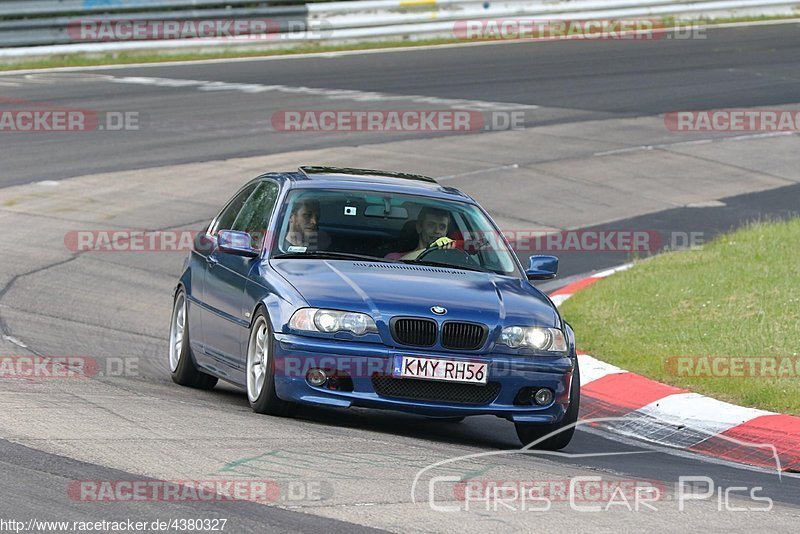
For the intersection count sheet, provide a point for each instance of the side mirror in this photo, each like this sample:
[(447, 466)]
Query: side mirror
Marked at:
[(542, 268), (237, 243)]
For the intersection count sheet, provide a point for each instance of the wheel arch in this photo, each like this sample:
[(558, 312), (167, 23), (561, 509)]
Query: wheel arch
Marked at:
[(273, 307)]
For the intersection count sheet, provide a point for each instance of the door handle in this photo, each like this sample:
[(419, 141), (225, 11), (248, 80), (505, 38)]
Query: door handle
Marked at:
[(211, 260)]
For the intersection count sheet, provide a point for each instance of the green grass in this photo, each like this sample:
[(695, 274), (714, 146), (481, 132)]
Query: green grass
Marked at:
[(122, 58), (736, 296)]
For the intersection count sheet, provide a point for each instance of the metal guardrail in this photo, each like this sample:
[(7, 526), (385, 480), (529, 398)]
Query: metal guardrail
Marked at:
[(29, 8), (386, 14), (49, 31), (48, 22), (34, 23)]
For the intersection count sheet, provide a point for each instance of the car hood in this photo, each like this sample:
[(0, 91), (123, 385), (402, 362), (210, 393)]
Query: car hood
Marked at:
[(385, 290)]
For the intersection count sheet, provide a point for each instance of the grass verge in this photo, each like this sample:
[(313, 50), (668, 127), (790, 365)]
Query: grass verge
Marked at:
[(124, 58), (738, 296)]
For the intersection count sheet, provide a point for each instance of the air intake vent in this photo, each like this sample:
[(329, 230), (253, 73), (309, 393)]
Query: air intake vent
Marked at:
[(430, 390), (406, 267), (463, 336), (416, 332)]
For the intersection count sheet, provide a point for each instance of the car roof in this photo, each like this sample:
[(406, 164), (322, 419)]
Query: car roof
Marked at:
[(312, 177)]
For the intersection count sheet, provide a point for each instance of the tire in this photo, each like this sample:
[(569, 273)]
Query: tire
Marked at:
[(528, 432), (261, 370), (181, 360)]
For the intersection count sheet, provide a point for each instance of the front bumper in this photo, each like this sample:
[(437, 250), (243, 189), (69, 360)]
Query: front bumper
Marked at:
[(294, 355)]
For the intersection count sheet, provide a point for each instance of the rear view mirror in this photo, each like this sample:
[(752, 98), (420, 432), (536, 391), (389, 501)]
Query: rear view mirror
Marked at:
[(379, 210), (542, 268)]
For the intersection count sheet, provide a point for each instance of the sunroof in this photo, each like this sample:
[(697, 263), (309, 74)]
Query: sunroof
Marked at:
[(311, 170)]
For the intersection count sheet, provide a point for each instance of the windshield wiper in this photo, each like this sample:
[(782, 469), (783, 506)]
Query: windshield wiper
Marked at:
[(476, 268), (332, 256)]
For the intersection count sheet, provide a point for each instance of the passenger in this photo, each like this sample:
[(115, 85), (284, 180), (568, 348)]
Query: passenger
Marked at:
[(303, 224)]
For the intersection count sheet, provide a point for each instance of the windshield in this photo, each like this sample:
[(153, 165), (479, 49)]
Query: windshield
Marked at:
[(376, 226)]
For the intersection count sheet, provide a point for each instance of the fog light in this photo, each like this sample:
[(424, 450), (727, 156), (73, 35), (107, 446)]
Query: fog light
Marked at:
[(316, 377), (543, 397)]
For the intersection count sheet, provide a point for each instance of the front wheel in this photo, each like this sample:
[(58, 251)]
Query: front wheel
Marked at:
[(181, 362), (528, 432), (261, 370)]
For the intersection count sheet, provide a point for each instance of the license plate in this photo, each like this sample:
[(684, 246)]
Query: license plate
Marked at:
[(437, 369)]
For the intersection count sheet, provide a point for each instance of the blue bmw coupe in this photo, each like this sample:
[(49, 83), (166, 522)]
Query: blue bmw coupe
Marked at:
[(349, 287)]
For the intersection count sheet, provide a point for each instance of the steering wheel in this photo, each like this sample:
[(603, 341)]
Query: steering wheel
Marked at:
[(454, 256)]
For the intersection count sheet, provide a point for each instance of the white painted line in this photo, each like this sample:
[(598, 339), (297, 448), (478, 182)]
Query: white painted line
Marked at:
[(758, 136), (690, 143), (706, 204), (15, 341), (331, 94), (700, 412), (613, 270), (479, 171), (558, 300), (622, 150), (704, 141)]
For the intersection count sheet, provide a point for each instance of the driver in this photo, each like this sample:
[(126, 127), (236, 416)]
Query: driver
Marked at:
[(432, 224)]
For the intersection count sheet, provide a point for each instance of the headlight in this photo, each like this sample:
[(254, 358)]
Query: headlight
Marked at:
[(317, 320), (534, 337)]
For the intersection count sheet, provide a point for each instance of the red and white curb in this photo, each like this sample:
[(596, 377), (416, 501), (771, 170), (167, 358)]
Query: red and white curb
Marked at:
[(667, 415), (560, 295)]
